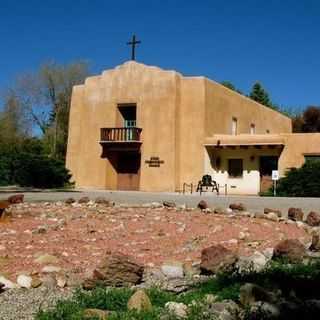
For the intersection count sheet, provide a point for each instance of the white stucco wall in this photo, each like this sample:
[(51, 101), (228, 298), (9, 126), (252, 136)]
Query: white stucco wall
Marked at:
[(249, 183)]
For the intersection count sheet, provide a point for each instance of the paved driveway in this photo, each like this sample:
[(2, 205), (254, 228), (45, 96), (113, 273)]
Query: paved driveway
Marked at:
[(253, 203)]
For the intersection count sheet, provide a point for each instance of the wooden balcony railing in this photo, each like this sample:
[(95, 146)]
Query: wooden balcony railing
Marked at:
[(120, 134)]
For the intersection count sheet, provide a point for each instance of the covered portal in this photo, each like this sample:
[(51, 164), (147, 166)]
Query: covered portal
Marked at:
[(243, 162)]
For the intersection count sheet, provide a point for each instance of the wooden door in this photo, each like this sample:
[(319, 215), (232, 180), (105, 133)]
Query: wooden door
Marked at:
[(267, 164), (128, 169)]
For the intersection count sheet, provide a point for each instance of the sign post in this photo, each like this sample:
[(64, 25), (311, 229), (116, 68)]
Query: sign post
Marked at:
[(275, 178)]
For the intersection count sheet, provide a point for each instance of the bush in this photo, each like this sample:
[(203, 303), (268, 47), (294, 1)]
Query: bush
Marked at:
[(301, 182), (26, 164)]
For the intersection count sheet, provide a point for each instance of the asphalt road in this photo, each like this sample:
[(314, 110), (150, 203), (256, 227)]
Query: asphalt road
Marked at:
[(253, 203)]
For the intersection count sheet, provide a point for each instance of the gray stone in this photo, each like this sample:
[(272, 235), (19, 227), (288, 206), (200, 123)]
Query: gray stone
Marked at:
[(50, 269), (24, 281), (224, 310), (178, 309), (173, 269), (264, 310), (169, 204), (250, 293)]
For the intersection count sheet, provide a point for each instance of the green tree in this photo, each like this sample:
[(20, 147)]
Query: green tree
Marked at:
[(259, 94), (230, 86)]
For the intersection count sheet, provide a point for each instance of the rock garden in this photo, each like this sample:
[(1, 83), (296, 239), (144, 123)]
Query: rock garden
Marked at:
[(156, 261)]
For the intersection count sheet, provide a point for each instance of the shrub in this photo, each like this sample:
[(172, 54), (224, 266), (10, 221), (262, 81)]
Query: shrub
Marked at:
[(301, 182), (25, 163)]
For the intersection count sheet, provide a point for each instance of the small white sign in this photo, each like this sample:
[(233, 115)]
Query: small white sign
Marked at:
[(275, 175)]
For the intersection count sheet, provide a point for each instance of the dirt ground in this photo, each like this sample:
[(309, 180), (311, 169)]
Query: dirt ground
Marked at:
[(80, 235)]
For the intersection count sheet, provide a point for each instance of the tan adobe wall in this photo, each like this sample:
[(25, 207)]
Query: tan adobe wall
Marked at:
[(222, 104), (191, 133), (296, 146), (94, 106)]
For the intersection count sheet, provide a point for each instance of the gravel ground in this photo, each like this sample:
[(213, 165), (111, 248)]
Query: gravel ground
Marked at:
[(23, 304), (79, 236)]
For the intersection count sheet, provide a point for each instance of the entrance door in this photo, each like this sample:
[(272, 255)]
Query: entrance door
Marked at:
[(267, 164), (128, 169)]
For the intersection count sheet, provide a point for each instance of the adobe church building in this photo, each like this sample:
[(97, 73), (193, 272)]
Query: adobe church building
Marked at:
[(138, 127)]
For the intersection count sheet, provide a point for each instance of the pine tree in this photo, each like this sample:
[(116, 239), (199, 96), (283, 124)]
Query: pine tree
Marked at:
[(259, 94)]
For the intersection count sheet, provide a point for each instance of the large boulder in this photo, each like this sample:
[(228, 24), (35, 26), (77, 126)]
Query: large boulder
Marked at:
[(295, 214), (313, 219), (238, 206), (291, 249), (217, 258), (139, 301), (118, 270), (16, 198)]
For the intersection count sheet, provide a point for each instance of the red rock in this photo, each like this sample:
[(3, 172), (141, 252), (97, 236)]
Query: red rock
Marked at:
[(202, 205), (70, 201), (237, 206), (291, 249), (217, 258), (313, 219), (4, 204), (102, 200), (119, 270), (16, 198), (295, 214), (84, 200)]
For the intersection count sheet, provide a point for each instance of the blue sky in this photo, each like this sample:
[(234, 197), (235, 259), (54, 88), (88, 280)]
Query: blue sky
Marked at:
[(275, 42)]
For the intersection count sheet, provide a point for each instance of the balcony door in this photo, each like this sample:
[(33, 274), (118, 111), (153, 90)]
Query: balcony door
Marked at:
[(127, 118)]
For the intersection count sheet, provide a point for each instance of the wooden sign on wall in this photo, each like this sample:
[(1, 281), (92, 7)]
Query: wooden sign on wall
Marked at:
[(154, 162)]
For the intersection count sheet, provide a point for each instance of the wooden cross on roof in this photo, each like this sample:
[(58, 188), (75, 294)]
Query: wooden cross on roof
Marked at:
[(133, 44)]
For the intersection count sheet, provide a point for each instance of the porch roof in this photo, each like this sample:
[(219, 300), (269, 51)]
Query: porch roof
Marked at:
[(225, 140)]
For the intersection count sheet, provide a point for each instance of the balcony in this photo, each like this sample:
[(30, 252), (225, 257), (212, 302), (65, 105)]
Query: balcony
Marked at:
[(120, 139)]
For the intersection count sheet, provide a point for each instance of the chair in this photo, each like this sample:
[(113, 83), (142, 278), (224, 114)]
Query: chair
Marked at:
[(207, 182)]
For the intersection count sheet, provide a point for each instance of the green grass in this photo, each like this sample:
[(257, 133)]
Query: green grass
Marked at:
[(303, 279)]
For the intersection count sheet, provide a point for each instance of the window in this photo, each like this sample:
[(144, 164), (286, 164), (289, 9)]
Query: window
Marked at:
[(252, 128), (234, 127), (312, 158), (235, 168)]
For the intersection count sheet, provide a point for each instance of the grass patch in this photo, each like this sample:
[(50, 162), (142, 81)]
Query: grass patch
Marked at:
[(303, 279)]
